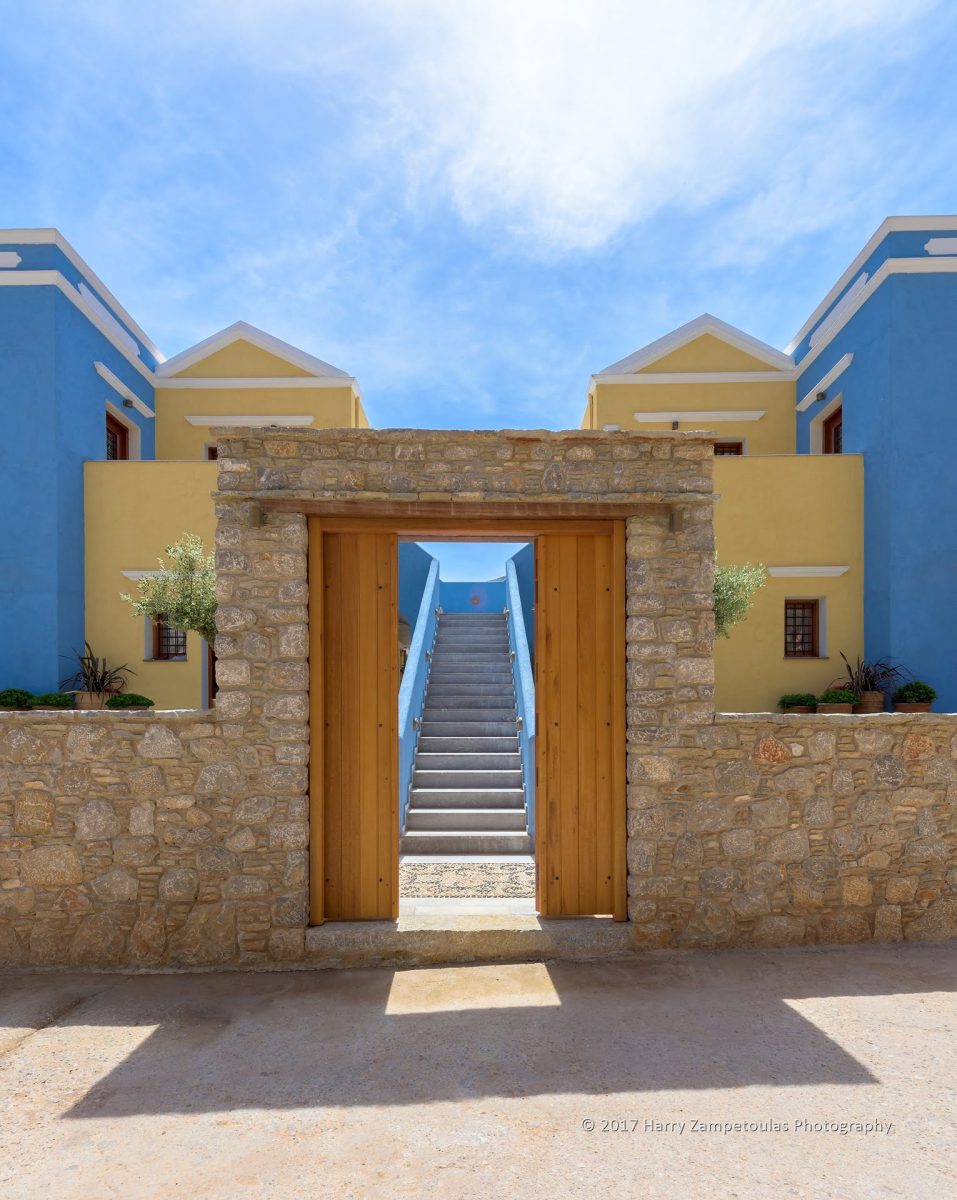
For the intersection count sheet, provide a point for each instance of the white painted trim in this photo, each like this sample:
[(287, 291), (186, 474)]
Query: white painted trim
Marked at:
[(120, 387), (46, 237), (684, 334), (836, 316), (57, 280), (92, 301), (888, 225), (825, 381), (806, 573), (889, 267), (941, 246), (136, 576), (666, 377), (715, 415), (133, 430), (271, 382), (9, 259), (242, 331), (253, 420)]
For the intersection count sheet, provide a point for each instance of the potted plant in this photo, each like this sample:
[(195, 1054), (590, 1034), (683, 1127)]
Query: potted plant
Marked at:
[(95, 681), (869, 681), (130, 702), (836, 700), (797, 702), (15, 698), (53, 700), (915, 696)]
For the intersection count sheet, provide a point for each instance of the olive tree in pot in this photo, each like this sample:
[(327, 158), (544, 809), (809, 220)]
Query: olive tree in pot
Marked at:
[(734, 589), (95, 681)]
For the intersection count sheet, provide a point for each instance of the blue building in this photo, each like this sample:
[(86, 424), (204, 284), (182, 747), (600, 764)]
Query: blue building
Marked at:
[(75, 384), (877, 376)]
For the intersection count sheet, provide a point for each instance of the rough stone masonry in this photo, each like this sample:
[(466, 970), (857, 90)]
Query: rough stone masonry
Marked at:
[(181, 839)]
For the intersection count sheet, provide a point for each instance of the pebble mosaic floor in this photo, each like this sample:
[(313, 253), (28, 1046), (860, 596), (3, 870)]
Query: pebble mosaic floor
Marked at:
[(463, 877)]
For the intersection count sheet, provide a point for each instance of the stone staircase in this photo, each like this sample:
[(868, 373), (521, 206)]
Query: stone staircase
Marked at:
[(467, 795)]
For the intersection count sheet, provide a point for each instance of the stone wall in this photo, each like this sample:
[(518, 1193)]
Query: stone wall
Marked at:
[(129, 838), (771, 830), (182, 838)]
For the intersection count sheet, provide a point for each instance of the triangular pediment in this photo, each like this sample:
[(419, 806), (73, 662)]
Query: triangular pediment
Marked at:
[(244, 352), (705, 344)]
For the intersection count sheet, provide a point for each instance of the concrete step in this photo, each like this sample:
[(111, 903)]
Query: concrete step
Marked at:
[(466, 779), (473, 687), (468, 728), (433, 841), (466, 798), (429, 761), (444, 714), (430, 744), (498, 698), (468, 820)]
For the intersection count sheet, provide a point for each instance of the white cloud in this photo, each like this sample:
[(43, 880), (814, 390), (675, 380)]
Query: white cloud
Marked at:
[(568, 121)]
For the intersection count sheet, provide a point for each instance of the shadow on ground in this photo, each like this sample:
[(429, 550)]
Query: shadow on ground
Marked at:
[(375, 1037)]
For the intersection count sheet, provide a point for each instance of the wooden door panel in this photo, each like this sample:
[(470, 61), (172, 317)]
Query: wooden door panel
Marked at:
[(354, 734), (580, 726)]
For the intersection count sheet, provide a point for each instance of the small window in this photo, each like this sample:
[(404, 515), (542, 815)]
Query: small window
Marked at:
[(169, 644), (801, 628), (728, 448), (212, 452), (117, 438), (834, 432)]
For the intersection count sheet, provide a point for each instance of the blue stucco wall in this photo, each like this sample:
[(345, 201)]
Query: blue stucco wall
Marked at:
[(414, 564), (899, 402), (487, 597), (53, 403), (524, 561)]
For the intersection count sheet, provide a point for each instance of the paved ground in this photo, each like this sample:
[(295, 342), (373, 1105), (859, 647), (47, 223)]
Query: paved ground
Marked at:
[(479, 1081), (505, 875)]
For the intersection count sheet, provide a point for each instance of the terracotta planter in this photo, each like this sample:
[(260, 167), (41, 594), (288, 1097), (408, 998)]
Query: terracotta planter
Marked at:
[(870, 702), (132, 708), (835, 708), (799, 708), (921, 706), (91, 699), (11, 708), (49, 708)]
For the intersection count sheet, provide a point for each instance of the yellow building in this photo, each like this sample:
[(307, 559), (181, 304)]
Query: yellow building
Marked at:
[(135, 508), (801, 515)]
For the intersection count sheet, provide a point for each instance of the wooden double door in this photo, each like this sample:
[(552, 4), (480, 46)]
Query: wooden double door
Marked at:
[(580, 715)]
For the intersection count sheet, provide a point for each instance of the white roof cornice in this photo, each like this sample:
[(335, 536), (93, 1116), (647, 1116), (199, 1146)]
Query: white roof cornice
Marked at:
[(705, 324), (889, 225), (241, 331), (48, 237)]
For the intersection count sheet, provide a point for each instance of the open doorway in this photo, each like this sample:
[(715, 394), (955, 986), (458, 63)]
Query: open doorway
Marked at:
[(466, 728)]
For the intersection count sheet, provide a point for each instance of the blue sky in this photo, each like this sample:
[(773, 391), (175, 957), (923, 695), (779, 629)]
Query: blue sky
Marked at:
[(472, 206)]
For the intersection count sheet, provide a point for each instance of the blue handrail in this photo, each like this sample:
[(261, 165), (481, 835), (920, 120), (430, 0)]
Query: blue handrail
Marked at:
[(414, 680), (524, 679)]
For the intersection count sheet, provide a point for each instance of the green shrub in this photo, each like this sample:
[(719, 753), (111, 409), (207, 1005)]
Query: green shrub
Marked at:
[(915, 692), (734, 589), (53, 700), (15, 698), (837, 696), (797, 699), (129, 700)]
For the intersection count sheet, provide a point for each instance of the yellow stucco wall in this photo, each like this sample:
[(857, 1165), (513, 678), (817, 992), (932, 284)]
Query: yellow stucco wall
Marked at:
[(707, 353), (176, 438), (241, 358), (774, 433), (133, 511), (794, 510)]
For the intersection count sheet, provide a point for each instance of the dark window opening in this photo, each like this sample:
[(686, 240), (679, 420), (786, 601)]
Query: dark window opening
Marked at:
[(834, 433), (168, 643), (728, 448), (212, 453), (117, 439), (801, 628)]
